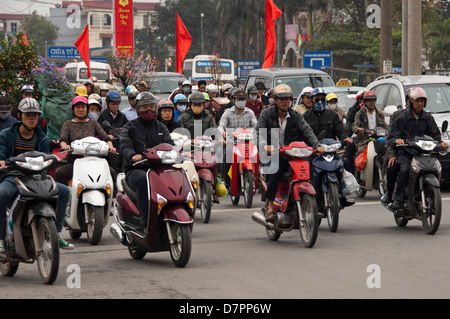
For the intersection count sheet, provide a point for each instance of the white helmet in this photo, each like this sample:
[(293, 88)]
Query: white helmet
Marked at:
[(417, 93), (306, 91)]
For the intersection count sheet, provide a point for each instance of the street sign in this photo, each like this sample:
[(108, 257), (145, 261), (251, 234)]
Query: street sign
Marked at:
[(64, 53), (244, 67), (317, 59)]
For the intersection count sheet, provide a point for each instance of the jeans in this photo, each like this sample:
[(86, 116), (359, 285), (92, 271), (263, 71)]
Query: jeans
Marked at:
[(137, 180), (404, 164), (9, 192)]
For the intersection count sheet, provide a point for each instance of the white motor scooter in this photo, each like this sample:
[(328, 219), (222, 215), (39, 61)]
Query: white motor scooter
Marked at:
[(183, 143), (92, 190)]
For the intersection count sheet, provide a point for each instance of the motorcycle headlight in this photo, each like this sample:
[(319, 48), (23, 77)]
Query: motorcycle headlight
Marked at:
[(332, 148), (179, 143), (205, 143), (168, 157), (299, 152), (35, 163), (92, 148), (426, 145), (244, 136)]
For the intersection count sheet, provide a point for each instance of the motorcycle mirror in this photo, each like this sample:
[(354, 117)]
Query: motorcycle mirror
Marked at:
[(444, 126), (132, 133)]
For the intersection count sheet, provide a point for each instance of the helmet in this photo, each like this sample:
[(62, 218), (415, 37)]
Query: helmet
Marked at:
[(104, 87), (360, 94), (5, 104), (29, 105), (306, 91), (187, 82), (94, 96), (94, 101), (129, 88), (93, 79), (226, 87), (331, 96), (113, 96), (282, 90), (79, 98), (369, 95), (206, 95), (239, 94), (232, 91), (180, 98), (133, 92), (260, 85), (197, 98), (252, 90), (81, 90), (145, 98), (27, 88), (318, 91), (180, 81), (212, 88), (165, 103), (88, 82), (417, 93)]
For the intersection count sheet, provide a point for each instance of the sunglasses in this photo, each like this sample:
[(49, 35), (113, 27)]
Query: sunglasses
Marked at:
[(320, 100)]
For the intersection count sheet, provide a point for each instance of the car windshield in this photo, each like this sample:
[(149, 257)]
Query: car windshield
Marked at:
[(438, 97), (164, 84), (297, 84)]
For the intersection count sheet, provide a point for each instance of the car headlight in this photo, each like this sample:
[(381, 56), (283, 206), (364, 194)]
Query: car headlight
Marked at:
[(35, 163), (299, 152), (168, 157), (92, 148)]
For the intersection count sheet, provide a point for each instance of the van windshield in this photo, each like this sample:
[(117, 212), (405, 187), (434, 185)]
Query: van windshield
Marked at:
[(100, 74), (297, 84)]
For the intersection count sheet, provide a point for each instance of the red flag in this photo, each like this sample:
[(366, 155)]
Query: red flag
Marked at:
[(82, 45), (184, 41), (272, 13), (25, 39)]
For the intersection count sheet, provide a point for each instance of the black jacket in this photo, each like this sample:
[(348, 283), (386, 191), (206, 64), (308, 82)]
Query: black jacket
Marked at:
[(118, 122), (188, 121), (149, 134), (297, 129), (327, 121)]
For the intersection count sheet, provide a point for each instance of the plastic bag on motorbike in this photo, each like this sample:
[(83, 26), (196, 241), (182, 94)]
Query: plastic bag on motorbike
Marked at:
[(349, 184), (361, 161), (221, 190)]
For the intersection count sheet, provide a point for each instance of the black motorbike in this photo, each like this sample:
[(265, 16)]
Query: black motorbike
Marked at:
[(31, 231)]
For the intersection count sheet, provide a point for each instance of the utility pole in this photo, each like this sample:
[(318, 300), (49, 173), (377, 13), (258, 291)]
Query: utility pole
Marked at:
[(386, 46), (404, 37), (414, 37)]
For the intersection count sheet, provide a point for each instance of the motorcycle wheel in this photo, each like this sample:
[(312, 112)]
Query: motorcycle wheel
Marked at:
[(272, 233), (180, 251), (206, 200), (48, 259), (8, 269), (248, 188), (94, 225), (333, 207), (309, 227), (431, 216), (361, 192), (400, 221)]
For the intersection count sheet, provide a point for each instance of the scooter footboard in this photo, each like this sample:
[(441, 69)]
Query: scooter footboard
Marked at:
[(302, 187), (177, 214)]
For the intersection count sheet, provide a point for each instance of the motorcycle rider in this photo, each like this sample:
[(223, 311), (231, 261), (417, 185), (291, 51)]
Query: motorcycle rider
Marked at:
[(166, 114), (305, 99), (235, 117), (327, 124), (261, 96), (253, 103), (104, 89), (332, 105), (6, 120), (150, 133), (350, 150), (291, 127), (130, 112), (416, 122), (180, 101), (369, 117), (112, 114), (25, 136), (89, 87)]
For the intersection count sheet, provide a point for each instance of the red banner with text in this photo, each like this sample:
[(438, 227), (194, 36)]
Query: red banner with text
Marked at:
[(123, 28)]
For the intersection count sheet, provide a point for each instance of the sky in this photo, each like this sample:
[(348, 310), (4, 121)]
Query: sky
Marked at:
[(28, 6)]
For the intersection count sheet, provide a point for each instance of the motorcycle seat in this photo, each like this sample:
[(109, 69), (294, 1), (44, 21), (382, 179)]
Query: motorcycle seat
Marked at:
[(132, 194)]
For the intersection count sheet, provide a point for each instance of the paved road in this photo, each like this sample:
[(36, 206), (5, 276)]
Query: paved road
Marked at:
[(232, 258)]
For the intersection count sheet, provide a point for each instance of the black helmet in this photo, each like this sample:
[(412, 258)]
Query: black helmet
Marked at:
[(252, 89), (145, 98), (260, 85), (197, 98)]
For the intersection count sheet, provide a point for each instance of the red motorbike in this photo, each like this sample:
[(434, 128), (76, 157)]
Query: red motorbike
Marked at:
[(170, 218), (295, 204), (205, 163), (244, 169)]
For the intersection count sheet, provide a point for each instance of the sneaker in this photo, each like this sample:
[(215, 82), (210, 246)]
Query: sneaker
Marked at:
[(65, 245), (2, 246)]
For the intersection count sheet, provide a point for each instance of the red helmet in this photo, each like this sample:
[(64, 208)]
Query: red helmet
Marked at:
[(360, 94), (417, 93), (369, 95)]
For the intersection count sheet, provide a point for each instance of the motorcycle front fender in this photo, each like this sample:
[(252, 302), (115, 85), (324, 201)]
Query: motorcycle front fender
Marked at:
[(302, 187), (328, 178), (93, 197), (177, 214), (429, 179), (40, 209)]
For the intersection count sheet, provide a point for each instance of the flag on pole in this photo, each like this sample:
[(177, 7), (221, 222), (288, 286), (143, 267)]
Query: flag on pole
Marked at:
[(82, 44), (184, 41), (272, 13)]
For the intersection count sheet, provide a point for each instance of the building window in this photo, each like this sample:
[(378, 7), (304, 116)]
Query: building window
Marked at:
[(106, 20), (106, 42), (95, 20), (13, 27)]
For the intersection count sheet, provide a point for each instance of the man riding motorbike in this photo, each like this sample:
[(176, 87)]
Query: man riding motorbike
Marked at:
[(291, 127), (112, 114), (416, 122), (149, 133)]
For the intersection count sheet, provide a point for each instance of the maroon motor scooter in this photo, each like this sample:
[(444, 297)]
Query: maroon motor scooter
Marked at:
[(295, 204), (170, 217), (205, 163)]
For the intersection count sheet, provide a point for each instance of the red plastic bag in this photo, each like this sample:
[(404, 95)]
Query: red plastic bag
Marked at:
[(361, 161)]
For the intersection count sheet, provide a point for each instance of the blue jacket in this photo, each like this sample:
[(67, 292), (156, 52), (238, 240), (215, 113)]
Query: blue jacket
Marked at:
[(4, 124), (8, 138)]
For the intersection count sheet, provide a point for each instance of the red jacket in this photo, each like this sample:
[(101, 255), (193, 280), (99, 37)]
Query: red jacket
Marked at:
[(257, 107)]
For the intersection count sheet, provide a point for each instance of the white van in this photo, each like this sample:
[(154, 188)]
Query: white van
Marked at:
[(77, 72)]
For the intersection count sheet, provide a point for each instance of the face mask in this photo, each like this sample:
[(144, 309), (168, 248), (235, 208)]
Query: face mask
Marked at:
[(4, 115), (93, 116), (181, 108), (253, 98), (332, 107), (187, 90), (240, 104), (148, 115), (320, 105)]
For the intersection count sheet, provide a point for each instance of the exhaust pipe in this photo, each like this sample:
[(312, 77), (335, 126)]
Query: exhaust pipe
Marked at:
[(116, 231), (259, 218)]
